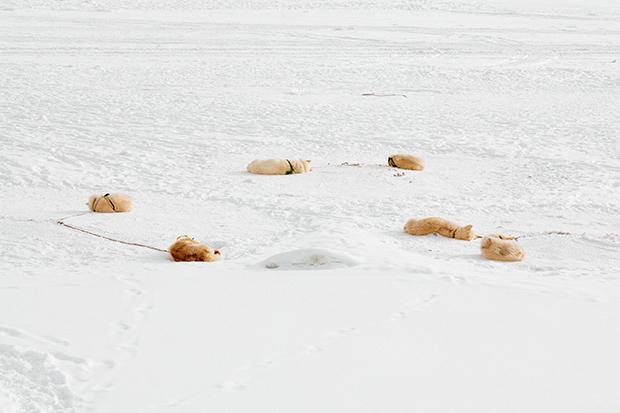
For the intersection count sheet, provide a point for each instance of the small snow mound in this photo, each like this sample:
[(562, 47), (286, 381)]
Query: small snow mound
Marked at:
[(308, 259)]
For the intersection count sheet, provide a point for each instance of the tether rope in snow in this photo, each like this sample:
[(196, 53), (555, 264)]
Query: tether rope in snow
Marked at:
[(384, 94), (542, 234), (62, 222)]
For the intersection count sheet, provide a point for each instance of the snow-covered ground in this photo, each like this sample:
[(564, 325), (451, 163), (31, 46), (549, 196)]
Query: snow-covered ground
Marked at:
[(513, 104)]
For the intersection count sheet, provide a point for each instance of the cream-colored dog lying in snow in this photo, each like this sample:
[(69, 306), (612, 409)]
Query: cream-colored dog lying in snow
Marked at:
[(501, 248), (406, 162), (110, 203), (436, 225), (187, 248), (279, 166)]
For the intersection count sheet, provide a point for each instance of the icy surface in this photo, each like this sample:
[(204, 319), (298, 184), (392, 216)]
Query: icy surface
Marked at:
[(512, 104)]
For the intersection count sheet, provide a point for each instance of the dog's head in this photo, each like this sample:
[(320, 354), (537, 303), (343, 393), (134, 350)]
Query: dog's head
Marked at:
[(486, 242), (91, 202), (302, 165), (465, 233)]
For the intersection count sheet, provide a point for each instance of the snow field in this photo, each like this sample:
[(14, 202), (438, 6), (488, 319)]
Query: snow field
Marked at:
[(512, 105)]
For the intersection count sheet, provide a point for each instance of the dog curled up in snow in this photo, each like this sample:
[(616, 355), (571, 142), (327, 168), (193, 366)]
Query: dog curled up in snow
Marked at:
[(187, 248), (110, 203), (406, 162), (501, 249), (279, 166), (436, 225)]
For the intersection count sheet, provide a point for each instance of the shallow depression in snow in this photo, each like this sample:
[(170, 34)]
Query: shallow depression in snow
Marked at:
[(308, 259)]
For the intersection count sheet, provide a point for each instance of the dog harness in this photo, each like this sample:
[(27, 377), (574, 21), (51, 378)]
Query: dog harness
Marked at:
[(292, 170), (107, 197)]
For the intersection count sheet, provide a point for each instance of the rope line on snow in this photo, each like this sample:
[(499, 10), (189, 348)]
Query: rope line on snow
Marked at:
[(62, 222), (542, 234), (384, 94), (72, 216)]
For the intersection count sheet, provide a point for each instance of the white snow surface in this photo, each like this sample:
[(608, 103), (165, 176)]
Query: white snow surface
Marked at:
[(514, 105)]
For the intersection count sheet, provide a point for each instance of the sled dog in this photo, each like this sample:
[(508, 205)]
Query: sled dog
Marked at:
[(279, 166), (436, 225), (499, 249), (406, 162), (110, 203), (187, 248)]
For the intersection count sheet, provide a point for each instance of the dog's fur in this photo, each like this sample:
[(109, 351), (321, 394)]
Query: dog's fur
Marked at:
[(403, 161), (499, 249), (279, 166), (187, 248), (110, 203), (436, 225)]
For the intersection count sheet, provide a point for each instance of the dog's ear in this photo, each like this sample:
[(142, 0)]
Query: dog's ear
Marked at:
[(308, 160), (468, 227)]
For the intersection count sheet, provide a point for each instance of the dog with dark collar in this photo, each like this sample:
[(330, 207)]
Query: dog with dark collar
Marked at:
[(436, 225), (279, 166), (403, 161), (110, 203)]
